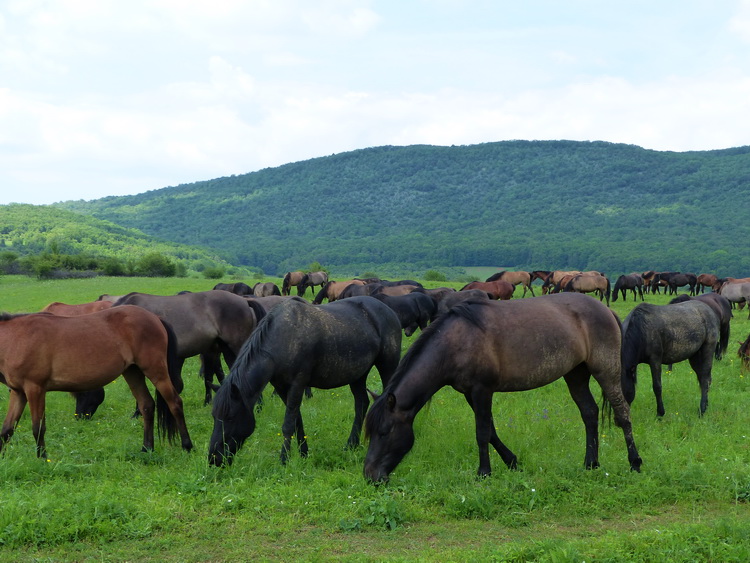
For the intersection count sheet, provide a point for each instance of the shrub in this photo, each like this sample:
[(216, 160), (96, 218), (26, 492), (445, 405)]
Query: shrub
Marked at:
[(213, 273)]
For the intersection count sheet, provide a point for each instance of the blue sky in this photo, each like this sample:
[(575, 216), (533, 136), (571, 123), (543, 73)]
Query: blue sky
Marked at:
[(104, 97)]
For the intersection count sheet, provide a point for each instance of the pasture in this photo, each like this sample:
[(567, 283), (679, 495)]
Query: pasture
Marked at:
[(97, 497)]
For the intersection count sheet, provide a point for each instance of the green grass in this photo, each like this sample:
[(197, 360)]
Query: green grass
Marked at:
[(98, 498)]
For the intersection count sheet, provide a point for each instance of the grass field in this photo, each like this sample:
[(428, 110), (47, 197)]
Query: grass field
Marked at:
[(97, 497)]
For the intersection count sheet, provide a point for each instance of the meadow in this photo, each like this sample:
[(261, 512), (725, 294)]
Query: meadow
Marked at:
[(97, 497)]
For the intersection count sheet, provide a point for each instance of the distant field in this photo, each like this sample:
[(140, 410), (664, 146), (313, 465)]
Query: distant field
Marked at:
[(98, 497)]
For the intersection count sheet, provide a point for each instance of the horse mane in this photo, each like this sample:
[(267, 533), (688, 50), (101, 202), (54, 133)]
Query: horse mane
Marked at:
[(5, 316), (633, 335), (122, 300), (680, 299), (239, 375)]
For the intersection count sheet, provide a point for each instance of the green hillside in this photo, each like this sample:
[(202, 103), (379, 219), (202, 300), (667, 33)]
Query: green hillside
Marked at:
[(37, 229), (561, 204)]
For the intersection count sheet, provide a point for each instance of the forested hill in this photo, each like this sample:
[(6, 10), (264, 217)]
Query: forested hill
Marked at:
[(540, 204)]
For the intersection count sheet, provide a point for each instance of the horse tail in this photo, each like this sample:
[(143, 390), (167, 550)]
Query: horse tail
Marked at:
[(165, 419), (723, 343), (285, 284), (257, 309), (608, 292), (495, 276)]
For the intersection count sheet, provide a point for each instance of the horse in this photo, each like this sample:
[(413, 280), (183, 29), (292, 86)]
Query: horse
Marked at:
[(680, 280), (480, 348), (238, 288), (516, 278), (633, 282), (332, 290), (41, 352), (86, 403), (342, 342), (590, 283), (661, 279), (722, 308), (736, 293), (311, 280), (67, 310), (292, 279), (265, 289), (500, 290), (205, 322), (394, 290), (414, 310), (705, 280), (357, 290), (647, 279), (667, 334)]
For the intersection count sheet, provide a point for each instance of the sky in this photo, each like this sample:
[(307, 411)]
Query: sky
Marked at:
[(105, 97)]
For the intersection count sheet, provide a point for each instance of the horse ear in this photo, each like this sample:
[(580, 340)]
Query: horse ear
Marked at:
[(373, 394), (391, 402)]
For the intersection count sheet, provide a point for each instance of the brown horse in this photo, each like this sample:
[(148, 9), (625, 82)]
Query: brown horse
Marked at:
[(706, 280), (516, 278), (499, 289), (42, 352), (590, 283), (291, 279), (485, 347), (332, 290), (744, 354), (66, 310), (394, 290)]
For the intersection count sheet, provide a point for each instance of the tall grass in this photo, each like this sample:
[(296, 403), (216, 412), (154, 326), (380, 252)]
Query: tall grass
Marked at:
[(98, 497)]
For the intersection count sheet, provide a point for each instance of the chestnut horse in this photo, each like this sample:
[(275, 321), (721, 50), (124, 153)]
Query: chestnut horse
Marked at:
[(499, 289), (41, 352), (516, 278)]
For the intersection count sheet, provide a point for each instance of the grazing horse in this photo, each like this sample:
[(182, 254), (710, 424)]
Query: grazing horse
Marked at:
[(736, 293), (311, 280), (499, 289), (342, 342), (394, 290), (590, 283), (633, 282), (42, 352), (661, 279), (680, 280), (332, 290), (205, 322), (722, 308), (357, 290), (706, 280), (516, 278), (667, 334), (292, 279), (480, 348), (265, 289), (238, 288), (414, 310)]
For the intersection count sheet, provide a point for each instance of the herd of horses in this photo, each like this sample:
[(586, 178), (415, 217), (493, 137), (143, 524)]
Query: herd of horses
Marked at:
[(477, 340)]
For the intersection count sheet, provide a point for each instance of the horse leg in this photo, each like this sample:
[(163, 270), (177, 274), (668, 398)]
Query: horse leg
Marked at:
[(701, 364), (656, 384), (36, 398), (292, 398), (16, 404), (612, 390), (361, 402), (480, 401), (578, 386), (145, 404)]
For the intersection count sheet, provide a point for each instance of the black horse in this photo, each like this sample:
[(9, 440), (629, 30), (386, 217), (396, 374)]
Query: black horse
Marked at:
[(238, 288), (414, 310), (483, 347), (723, 310), (667, 334), (633, 282), (340, 343)]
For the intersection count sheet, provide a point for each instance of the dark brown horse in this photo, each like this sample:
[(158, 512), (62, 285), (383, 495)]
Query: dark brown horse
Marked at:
[(499, 289), (292, 279), (480, 348), (706, 280), (43, 352), (516, 278), (238, 288), (632, 282), (205, 322), (744, 354)]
